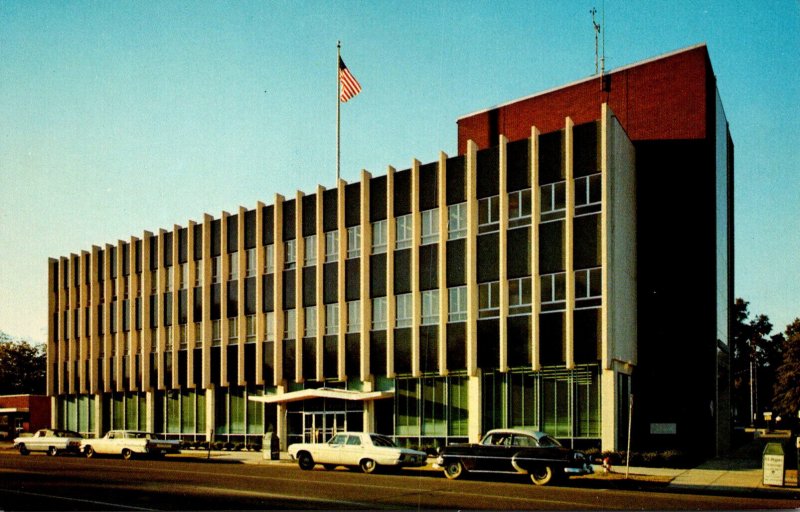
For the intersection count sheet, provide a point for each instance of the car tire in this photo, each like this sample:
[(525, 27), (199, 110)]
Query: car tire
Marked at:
[(305, 461), (23, 450), (368, 466), (127, 453), (454, 470), (543, 475), (52, 451), (88, 451)]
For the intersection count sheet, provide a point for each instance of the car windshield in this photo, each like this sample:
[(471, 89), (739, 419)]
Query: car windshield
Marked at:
[(338, 439), (379, 440)]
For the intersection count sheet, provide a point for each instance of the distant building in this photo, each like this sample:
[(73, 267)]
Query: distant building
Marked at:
[(578, 249), (23, 413)]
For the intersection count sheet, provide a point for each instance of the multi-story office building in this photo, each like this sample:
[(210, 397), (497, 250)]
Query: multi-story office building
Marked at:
[(577, 249)]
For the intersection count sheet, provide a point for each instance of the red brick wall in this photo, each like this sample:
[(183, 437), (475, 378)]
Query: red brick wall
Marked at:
[(662, 99), (37, 405)]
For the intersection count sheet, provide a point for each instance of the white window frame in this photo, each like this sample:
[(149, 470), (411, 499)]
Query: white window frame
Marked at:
[(216, 264), (489, 214), (551, 208), (168, 278), (310, 321), (310, 250), (430, 226), (269, 326), (489, 300), (583, 194), (269, 259), (216, 333), (353, 317), (403, 231), (289, 324), (183, 273), (332, 319), (585, 280), (430, 307), (331, 246), (353, 242), (519, 215), (250, 263), (290, 254), (250, 328), (554, 291), (380, 233), (233, 330), (379, 313), (457, 304), (404, 314), (520, 296), (457, 221)]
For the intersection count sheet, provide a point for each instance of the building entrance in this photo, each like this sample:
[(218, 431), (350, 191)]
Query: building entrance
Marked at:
[(319, 427)]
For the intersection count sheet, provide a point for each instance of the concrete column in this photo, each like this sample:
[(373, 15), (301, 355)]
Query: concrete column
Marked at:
[(475, 418), (340, 277), (281, 427), (502, 254), (150, 404), (536, 282), (134, 334), (206, 326), (147, 338), (176, 327), (52, 335), (472, 260), (242, 321), (319, 277), (366, 302), (210, 408), (84, 334), (391, 302), (416, 297), (98, 415), (224, 269), (444, 298), (94, 321), (161, 331), (299, 312), (277, 297), (260, 316), (192, 271), (569, 246)]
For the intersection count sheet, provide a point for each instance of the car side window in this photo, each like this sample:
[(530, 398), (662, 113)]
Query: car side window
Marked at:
[(496, 440), (338, 439), (354, 440), (523, 441)]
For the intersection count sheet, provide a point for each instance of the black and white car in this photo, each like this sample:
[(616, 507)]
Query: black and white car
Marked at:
[(515, 452)]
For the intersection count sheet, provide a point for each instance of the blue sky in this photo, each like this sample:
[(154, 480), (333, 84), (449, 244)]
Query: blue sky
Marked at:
[(120, 117)]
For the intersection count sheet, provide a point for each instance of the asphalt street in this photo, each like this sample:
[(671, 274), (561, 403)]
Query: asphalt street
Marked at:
[(38, 482)]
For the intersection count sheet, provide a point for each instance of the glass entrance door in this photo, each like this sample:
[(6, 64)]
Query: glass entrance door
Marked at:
[(319, 427)]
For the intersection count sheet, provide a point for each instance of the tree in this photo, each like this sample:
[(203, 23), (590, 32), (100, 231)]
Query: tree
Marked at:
[(23, 367), (786, 395), (756, 355)]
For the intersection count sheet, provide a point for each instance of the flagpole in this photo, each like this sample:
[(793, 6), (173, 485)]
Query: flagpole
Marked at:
[(338, 108)]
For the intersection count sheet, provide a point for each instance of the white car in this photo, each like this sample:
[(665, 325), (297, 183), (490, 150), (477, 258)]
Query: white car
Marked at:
[(128, 443), (365, 450), (50, 440)]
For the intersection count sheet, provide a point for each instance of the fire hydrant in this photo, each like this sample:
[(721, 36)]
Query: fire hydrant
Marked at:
[(607, 464)]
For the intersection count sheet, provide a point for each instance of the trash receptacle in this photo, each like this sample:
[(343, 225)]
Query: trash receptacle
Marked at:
[(270, 447), (773, 464)]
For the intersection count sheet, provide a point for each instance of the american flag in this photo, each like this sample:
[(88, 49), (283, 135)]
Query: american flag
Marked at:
[(349, 85)]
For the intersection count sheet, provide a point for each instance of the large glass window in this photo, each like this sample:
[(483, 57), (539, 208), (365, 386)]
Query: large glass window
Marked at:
[(457, 221), (488, 214), (310, 317), (588, 194), (404, 310), (233, 267), (353, 242), (553, 201), (554, 291), (269, 259), (379, 236), (250, 263), (519, 208), (251, 328), (289, 325), (379, 316), (519, 296), (403, 232), (269, 326), (457, 304), (233, 330), (353, 316), (332, 319), (430, 226), (489, 300), (216, 334), (588, 287), (290, 254), (430, 307), (331, 246), (310, 250)]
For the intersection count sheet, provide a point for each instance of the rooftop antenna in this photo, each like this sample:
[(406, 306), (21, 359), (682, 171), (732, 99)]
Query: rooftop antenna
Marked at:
[(596, 46)]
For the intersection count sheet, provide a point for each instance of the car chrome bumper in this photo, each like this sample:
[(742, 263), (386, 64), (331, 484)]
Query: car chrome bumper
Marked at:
[(586, 469)]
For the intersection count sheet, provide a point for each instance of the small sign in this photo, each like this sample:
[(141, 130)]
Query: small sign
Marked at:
[(664, 428), (773, 470)]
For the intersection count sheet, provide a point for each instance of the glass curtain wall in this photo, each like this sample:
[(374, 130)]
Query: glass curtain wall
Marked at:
[(431, 411)]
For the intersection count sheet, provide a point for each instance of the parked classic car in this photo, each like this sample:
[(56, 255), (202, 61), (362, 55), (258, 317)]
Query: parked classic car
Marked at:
[(129, 443), (356, 449), (514, 451), (50, 440)]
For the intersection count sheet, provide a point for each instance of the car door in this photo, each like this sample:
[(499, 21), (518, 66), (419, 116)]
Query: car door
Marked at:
[(351, 452), (493, 454), (330, 452)]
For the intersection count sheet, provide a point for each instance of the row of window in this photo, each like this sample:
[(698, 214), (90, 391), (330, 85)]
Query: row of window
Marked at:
[(588, 292), (553, 208)]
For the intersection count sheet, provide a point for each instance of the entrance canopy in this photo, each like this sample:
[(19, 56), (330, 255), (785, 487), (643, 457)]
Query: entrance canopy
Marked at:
[(9, 410), (305, 394)]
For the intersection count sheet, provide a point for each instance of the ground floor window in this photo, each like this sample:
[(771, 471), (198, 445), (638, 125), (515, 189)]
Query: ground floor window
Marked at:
[(431, 411), (564, 403), (76, 412)]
